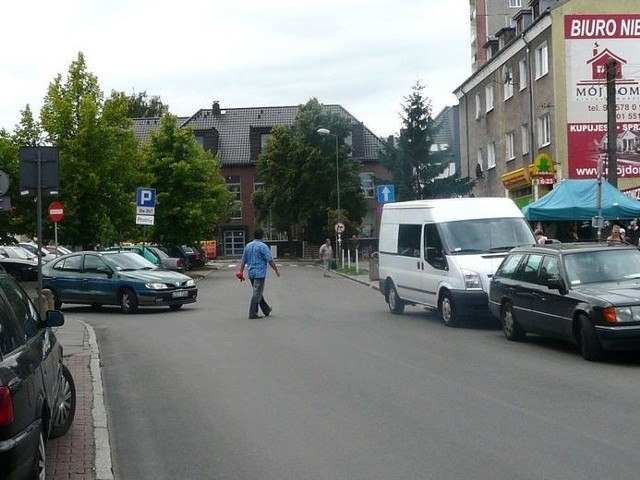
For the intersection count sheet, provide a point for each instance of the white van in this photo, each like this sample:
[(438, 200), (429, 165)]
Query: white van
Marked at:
[(442, 253)]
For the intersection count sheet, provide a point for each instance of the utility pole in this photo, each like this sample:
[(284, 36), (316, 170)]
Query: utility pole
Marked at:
[(612, 137)]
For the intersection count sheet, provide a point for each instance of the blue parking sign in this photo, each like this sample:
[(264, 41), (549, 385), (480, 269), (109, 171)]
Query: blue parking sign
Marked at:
[(145, 197), (386, 193)]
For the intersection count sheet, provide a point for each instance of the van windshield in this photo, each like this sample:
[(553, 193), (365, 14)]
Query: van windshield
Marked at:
[(485, 235)]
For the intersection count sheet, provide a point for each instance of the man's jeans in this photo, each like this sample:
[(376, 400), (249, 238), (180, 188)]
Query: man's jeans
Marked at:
[(256, 298)]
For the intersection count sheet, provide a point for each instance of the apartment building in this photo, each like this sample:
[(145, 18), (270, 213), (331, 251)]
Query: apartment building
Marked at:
[(536, 112), (237, 136)]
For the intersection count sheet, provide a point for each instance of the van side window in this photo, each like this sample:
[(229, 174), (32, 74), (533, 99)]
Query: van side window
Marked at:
[(433, 251), (409, 240)]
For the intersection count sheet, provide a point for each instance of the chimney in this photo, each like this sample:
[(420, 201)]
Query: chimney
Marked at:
[(215, 108)]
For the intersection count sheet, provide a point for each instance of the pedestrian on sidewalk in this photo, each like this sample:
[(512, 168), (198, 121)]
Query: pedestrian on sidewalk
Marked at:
[(256, 256), (326, 254)]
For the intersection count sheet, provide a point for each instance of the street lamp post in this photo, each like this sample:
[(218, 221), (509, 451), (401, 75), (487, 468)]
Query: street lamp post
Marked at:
[(326, 131)]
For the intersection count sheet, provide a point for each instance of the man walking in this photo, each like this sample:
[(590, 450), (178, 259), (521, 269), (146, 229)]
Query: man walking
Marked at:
[(326, 254), (256, 257)]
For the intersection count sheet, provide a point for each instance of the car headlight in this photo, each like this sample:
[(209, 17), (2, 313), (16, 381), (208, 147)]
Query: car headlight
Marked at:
[(471, 280), (190, 283), (156, 286), (627, 314)]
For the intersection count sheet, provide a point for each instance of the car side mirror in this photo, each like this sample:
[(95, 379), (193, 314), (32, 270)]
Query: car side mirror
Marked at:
[(556, 283), (54, 318)]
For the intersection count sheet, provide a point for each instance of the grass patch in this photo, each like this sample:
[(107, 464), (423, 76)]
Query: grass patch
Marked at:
[(351, 271)]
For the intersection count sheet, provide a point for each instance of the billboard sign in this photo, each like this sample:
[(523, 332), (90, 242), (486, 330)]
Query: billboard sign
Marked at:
[(591, 42)]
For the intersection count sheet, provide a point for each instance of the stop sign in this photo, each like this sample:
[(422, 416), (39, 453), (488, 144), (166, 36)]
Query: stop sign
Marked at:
[(56, 212)]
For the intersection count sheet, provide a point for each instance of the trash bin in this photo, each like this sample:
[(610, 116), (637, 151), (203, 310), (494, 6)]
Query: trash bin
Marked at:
[(373, 266)]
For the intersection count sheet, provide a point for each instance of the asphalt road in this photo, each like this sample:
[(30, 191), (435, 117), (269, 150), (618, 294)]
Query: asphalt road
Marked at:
[(332, 386)]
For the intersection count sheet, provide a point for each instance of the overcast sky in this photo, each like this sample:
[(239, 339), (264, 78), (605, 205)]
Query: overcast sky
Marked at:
[(362, 54)]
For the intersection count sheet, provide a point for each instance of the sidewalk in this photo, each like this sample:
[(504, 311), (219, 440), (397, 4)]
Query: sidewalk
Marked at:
[(84, 452)]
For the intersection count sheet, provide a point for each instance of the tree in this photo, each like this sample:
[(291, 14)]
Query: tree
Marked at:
[(28, 133), (142, 106), (99, 159), (298, 168), (417, 171), (9, 223), (191, 195)]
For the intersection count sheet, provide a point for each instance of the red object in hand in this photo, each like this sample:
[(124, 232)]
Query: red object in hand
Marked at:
[(240, 276)]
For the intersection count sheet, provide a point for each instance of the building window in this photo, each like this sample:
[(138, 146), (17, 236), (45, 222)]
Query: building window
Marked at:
[(479, 163), (544, 130), (515, 3), (234, 186), (491, 155), (542, 60), (200, 140), (524, 131), (257, 184), (478, 106), (366, 183), (488, 90), (510, 144), (263, 140), (523, 73), (507, 78), (233, 242)]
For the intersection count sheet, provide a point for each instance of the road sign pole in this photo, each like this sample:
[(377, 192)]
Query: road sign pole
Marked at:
[(39, 226)]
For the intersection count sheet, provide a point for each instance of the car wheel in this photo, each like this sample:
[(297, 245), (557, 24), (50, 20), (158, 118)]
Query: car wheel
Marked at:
[(175, 307), (589, 343), (39, 469), (128, 301), (396, 305), (448, 310), (64, 410), (510, 326)]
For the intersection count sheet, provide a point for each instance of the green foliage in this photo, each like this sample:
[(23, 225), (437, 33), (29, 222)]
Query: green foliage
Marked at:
[(100, 166), (191, 195), (298, 167), (142, 106), (414, 167)]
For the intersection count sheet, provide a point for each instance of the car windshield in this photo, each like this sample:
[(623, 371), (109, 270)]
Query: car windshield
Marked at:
[(19, 252), (129, 261), (602, 266), (159, 253), (485, 235)]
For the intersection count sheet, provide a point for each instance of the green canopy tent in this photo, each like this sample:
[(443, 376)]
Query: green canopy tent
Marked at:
[(577, 200)]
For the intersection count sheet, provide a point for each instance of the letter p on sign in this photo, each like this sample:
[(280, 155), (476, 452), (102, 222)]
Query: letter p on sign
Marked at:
[(145, 197)]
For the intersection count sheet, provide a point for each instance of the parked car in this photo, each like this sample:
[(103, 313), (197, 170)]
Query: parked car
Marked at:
[(57, 250), (37, 391), (587, 293), (19, 263), (32, 247), (191, 257), (116, 278), (155, 255)]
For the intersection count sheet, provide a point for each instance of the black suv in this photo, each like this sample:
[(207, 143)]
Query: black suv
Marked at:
[(37, 392), (587, 293)]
